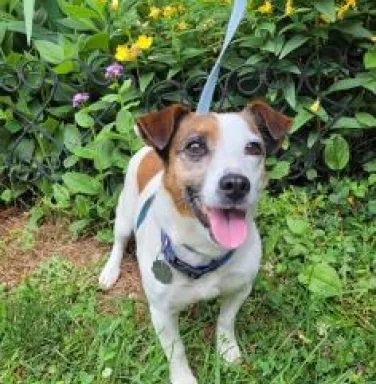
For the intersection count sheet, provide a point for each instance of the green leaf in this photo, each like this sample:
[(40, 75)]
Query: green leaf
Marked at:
[(25, 150), (311, 174), (70, 161), (105, 235), (53, 53), (354, 28), (347, 123), (344, 84), (370, 166), (88, 152), (78, 226), (145, 80), (327, 8), (6, 196), (125, 86), (268, 26), (61, 195), (124, 121), (37, 213), (297, 226), (366, 119), (290, 94), (82, 205), (336, 153), (313, 136), (83, 119), (99, 41), (13, 126), (65, 67), (370, 59), (111, 98), (82, 183), (72, 137), (321, 279), (280, 170), (79, 24), (103, 154), (28, 14), (300, 119), (77, 12), (294, 43)]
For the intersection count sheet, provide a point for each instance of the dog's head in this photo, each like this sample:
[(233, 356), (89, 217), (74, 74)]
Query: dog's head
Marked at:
[(214, 163)]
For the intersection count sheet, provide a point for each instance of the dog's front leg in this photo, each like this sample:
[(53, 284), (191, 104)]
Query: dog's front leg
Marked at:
[(227, 345), (166, 325)]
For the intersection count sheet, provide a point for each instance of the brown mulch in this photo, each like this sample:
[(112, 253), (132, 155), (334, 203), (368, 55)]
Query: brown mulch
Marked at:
[(21, 252)]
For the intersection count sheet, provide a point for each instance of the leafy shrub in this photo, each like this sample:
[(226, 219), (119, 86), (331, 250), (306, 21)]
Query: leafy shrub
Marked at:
[(316, 61)]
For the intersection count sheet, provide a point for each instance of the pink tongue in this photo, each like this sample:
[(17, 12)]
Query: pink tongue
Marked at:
[(229, 227)]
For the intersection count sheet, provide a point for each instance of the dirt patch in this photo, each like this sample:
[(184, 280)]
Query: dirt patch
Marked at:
[(22, 251)]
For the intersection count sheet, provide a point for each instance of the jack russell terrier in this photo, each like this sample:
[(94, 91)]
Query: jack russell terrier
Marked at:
[(190, 196)]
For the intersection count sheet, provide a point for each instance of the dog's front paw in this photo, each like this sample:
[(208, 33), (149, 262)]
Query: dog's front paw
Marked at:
[(229, 350), (185, 380), (232, 355), (109, 276)]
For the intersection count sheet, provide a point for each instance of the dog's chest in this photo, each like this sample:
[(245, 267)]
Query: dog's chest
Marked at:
[(185, 291)]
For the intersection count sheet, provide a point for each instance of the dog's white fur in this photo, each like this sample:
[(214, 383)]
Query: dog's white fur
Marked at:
[(232, 282)]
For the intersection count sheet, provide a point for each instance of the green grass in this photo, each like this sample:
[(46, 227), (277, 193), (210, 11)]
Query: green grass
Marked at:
[(322, 329)]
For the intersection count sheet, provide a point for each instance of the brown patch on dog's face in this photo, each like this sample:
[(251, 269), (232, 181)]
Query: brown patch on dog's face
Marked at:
[(189, 155), (271, 124), (157, 128), (149, 166)]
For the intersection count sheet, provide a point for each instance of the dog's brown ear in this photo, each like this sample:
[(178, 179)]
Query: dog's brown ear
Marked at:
[(157, 128), (273, 125)]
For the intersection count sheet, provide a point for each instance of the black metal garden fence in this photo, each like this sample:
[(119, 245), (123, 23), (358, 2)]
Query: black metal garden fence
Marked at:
[(36, 97)]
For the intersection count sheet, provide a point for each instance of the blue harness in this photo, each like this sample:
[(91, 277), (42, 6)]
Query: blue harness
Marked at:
[(194, 272)]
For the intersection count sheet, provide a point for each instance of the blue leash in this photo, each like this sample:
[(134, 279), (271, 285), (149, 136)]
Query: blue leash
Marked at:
[(237, 14)]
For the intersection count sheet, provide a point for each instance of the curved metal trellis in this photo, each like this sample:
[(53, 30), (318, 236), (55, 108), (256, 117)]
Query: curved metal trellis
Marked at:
[(33, 92)]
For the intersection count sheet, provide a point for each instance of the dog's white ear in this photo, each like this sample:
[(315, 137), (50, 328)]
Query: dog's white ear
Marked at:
[(157, 128), (273, 125)]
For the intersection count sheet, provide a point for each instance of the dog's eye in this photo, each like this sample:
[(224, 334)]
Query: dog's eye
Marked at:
[(253, 148), (196, 147)]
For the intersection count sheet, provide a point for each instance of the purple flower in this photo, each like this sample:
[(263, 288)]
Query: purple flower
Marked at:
[(114, 71), (80, 98)]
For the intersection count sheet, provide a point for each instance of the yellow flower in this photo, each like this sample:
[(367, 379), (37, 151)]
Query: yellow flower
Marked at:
[(143, 42), (344, 8), (323, 19), (208, 23), (266, 8), (351, 3), (315, 106), (154, 13), (289, 8), (181, 8), (115, 5), (125, 53), (182, 26), (169, 11), (373, 38)]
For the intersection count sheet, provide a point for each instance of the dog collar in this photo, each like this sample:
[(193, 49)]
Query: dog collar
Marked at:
[(194, 272), (169, 253)]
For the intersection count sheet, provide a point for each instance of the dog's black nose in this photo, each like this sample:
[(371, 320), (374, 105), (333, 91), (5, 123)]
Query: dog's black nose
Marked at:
[(234, 186)]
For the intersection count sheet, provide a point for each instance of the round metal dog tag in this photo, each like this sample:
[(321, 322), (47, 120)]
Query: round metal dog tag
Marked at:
[(162, 271)]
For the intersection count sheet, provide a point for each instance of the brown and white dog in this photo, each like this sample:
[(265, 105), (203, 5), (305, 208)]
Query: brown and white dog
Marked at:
[(197, 182)]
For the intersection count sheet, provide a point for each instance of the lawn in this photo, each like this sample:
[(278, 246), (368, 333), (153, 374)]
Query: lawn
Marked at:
[(310, 319)]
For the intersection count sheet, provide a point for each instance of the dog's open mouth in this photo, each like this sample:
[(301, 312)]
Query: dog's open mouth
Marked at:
[(227, 226)]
